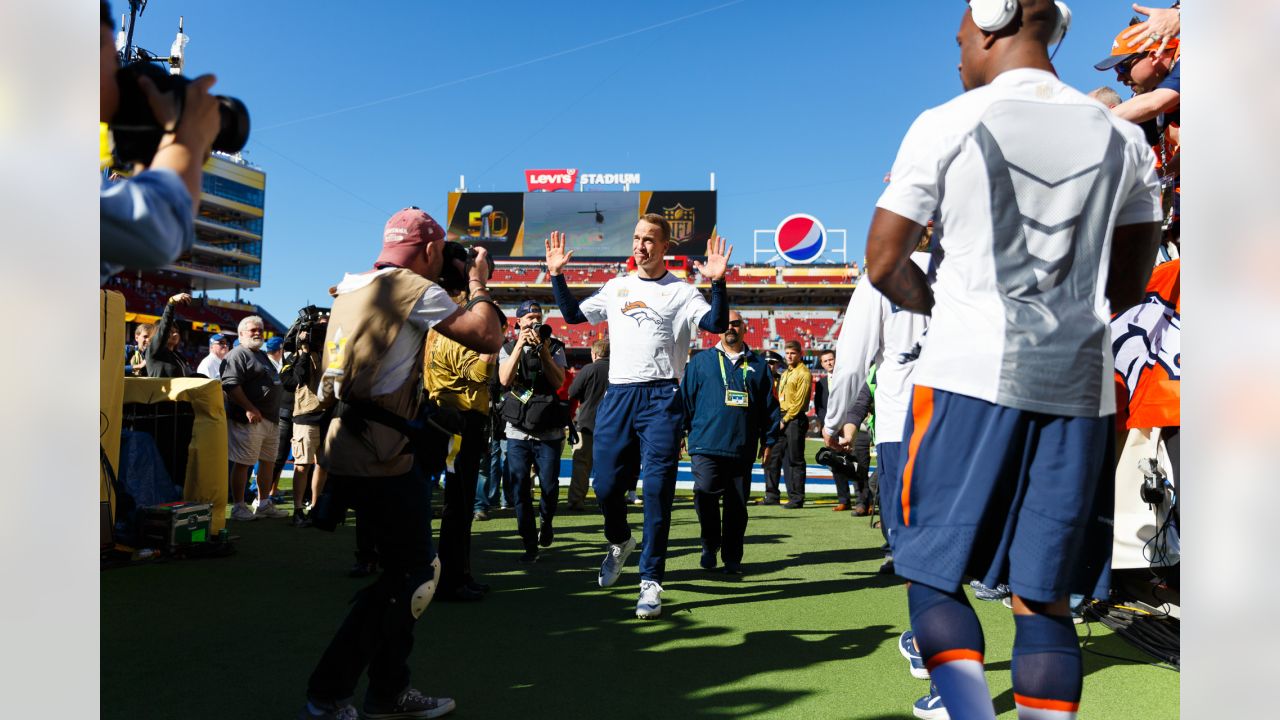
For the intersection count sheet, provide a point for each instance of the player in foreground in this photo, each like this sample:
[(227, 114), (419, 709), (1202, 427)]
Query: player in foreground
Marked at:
[(1051, 210), (652, 316)]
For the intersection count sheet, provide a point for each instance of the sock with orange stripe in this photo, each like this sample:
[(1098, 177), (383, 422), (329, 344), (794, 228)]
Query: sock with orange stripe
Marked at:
[(950, 640), (1047, 672)]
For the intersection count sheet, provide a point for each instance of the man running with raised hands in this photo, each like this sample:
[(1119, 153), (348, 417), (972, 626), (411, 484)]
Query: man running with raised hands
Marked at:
[(652, 316)]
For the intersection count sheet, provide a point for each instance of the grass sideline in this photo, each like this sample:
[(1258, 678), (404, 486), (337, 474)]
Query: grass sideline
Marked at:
[(809, 632)]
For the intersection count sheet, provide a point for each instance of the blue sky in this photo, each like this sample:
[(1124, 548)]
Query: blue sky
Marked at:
[(796, 106)]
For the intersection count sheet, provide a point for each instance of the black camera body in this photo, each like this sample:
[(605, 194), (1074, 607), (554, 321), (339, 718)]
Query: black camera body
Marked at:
[(453, 278), (136, 130), (838, 461), (543, 330)]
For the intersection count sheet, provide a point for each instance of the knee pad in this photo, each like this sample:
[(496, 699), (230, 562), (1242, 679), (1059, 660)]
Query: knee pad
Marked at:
[(422, 589)]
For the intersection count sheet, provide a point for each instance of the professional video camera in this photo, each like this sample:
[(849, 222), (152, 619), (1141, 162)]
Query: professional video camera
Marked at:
[(311, 320), (838, 461), (136, 130)]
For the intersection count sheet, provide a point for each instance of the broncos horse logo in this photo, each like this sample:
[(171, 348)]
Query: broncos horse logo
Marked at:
[(640, 312)]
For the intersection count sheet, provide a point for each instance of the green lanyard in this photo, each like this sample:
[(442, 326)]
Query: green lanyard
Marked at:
[(725, 379)]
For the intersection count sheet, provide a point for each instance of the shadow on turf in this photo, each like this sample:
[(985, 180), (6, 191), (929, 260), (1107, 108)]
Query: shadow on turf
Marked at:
[(546, 643)]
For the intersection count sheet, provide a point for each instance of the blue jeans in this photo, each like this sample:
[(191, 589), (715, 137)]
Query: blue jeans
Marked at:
[(521, 455), (493, 480)]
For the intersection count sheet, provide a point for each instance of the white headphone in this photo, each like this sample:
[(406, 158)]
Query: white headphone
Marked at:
[(995, 15)]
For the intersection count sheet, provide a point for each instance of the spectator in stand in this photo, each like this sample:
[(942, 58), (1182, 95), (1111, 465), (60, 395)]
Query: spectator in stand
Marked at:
[(211, 365), (457, 378), (161, 355), (1106, 96), (730, 417), (136, 362), (531, 369), (793, 397), (772, 465), (147, 221), (587, 388), (1152, 74), (253, 392)]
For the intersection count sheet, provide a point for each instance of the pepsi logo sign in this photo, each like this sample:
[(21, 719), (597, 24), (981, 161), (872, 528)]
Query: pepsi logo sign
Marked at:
[(800, 239)]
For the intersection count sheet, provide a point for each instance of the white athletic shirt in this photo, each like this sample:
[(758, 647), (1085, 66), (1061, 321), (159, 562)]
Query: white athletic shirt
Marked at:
[(435, 305), (876, 332), (1028, 178), (651, 323)]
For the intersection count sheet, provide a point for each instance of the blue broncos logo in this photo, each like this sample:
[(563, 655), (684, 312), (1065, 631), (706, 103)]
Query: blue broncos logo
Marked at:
[(642, 313)]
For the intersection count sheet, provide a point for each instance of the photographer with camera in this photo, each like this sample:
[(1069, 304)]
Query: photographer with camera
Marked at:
[(372, 384), (844, 467), (531, 368), (301, 376), (147, 221), (730, 417)]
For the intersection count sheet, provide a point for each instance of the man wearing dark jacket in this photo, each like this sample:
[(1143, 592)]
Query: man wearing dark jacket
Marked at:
[(587, 388), (731, 417)]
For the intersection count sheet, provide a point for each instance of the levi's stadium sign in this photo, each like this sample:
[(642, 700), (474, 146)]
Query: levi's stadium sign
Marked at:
[(550, 180)]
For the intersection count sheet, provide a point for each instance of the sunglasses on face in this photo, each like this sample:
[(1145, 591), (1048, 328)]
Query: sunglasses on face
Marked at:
[(735, 323)]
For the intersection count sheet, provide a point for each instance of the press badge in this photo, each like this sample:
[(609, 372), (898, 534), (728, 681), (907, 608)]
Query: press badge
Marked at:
[(735, 398), (524, 396)]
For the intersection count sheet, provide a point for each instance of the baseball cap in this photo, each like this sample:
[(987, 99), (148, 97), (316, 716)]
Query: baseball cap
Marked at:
[(404, 236), (1122, 50), (273, 344), (528, 306), (772, 356), (219, 338)]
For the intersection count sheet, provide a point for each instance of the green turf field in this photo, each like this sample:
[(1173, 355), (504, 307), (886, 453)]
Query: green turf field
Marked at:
[(809, 632)]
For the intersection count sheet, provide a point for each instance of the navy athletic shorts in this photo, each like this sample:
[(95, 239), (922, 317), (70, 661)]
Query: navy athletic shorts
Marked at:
[(1004, 495)]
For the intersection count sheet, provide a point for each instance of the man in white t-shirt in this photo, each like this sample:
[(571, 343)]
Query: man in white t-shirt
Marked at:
[(1048, 207), (373, 379), (211, 365), (652, 318)]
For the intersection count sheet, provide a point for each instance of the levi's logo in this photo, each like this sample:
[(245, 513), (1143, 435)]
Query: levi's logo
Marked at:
[(551, 180)]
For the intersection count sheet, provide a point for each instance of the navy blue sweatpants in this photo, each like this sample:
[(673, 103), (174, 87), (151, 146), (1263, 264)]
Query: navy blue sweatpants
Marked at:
[(639, 423)]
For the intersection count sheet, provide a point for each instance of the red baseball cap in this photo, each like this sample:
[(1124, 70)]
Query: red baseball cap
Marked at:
[(405, 235)]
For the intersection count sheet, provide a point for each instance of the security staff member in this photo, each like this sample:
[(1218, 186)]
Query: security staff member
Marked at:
[(731, 417), (372, 377), (531, 368)]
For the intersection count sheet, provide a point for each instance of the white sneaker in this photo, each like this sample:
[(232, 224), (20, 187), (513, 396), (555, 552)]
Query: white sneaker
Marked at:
[(267, 509), (611, 568), (240, 511), (650, 604)]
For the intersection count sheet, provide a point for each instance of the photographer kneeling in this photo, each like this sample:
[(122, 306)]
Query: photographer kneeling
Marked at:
[(531, 368), (372, 381)]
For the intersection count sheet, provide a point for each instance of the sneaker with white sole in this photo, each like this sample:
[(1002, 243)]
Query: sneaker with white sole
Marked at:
[(907, 646), (649, 605), (240, 511), (611, 568), (268, 509), (990, 594), (328, 711), (409, 706), (930, 706)]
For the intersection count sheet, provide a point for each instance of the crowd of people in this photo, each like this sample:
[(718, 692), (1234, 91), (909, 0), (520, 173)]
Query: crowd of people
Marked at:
[(978, 333)]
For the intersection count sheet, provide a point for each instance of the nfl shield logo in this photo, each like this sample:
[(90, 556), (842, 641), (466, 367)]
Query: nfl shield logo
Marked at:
[(681, 219)]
